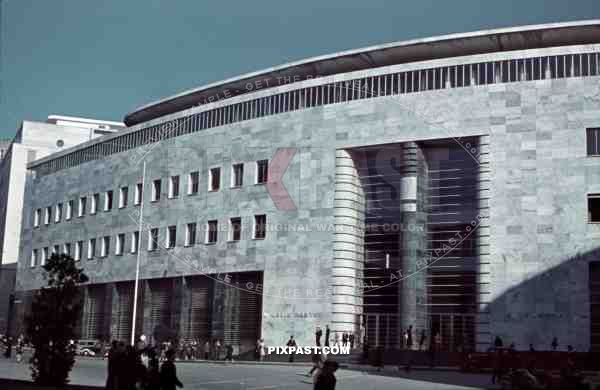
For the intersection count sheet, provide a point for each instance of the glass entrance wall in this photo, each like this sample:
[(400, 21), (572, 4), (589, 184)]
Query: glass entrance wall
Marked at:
[(452, 208)]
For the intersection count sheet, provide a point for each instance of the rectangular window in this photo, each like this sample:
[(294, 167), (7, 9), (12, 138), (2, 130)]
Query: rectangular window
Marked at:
[(260, 228), (593, 208), (237, 175), (214, 181), (156, 185), (135, 242), (58, 213), (193, 183), (262, 169), (123, 195), (69, 213), (44, 256), (82, 206), (138, 194), (78, 250), (34, 258), (36, 217), (153, 239), (235, 228), (105, 247), (91, 248), (211, 232), (593, 141), (190, 234), (67, 249), (94, 205), (120, 244), (48, 215), (171, 236), (108, 200), (174, 187)]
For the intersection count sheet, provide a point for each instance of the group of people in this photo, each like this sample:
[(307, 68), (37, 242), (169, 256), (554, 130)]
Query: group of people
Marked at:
[(9, 343), (196, 350), (348, 338), (132, 368)]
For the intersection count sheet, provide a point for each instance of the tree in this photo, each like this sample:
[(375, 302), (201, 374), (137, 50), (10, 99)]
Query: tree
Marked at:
[(51, 323)]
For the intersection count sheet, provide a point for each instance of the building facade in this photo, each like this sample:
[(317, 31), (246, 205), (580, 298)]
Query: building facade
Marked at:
[(32, 140), (448, 184)]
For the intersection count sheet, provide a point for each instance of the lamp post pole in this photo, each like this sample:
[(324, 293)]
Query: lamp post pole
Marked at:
[(139, 251)]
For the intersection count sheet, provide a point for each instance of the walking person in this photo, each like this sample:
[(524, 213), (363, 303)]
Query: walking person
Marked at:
[(229, 353), (316, 361), (111, 377), (168, 373), (422, 339), (19, 351), (206, 350), (344, 339), (261, 350), (554, 344), (351, 339), (498, 342), (318, 334), (327, 332), (336, 338), (153, 377), (291, 343), (326, 380), (217, 350), (409, 338)]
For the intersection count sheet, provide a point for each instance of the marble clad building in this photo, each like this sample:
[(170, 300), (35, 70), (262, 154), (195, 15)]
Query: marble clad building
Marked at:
[(449, 183)]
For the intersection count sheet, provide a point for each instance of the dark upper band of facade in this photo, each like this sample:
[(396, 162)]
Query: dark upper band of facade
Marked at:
[(480, 42)]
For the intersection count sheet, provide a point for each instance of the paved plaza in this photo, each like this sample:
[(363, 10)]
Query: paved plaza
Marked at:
[(217, 376)]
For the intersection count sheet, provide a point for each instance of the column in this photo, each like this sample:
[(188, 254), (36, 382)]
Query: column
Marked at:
[(412, 289), (348, 244), (482, 322)]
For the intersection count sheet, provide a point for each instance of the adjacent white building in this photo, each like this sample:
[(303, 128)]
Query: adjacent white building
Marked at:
[(32, 141)]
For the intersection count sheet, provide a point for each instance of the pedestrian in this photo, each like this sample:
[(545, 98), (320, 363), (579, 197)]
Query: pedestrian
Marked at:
[(168, 373), (206, 350), (531, 349), (498, 342), (326, 378), (217, 350), (8, 352), (318, 334), (351, 339), (316, 361), (422, 340), (291, 343), (229, 353), (128, 370), (19, 350), (261, 350), (336, 338), (153, 377), (111, 377), (409, 338), (554, 344), (327, 332), (438, 341)]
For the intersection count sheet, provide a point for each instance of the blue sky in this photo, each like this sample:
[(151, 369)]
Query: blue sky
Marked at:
[(102, 59)]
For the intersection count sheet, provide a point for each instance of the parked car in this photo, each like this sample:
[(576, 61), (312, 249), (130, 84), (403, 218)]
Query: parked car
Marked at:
[(87, 347)]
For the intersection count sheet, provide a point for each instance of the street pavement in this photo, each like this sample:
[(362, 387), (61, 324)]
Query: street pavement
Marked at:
[(218, 376)]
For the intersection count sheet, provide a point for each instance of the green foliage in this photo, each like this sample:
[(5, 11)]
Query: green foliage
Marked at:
[(52, 320)]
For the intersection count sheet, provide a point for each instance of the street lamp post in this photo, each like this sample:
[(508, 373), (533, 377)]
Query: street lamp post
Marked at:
[(139, 251)]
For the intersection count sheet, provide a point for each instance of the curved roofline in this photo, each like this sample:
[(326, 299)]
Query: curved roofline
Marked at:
[(451, 45)]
